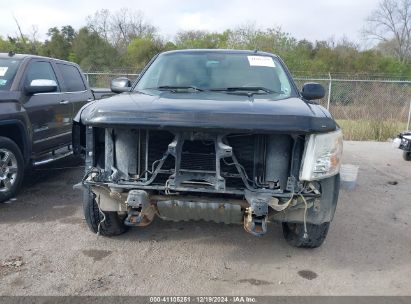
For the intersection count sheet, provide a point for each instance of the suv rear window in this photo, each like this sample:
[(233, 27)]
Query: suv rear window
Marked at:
[(71, 77), (8, 70)]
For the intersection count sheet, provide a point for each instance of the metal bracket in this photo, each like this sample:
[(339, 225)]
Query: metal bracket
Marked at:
[(293, 185), (221, 150), (143, 212), (255, 220)]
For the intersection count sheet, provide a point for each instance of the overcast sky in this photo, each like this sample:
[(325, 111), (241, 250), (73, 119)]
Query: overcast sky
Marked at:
[(313, 20)]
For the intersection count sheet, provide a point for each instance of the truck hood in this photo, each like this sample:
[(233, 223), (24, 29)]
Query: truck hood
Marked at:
[(212, 110)]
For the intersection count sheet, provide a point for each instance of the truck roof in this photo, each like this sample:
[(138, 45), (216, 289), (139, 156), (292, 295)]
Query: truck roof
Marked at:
[(224, 51), (24, 56)]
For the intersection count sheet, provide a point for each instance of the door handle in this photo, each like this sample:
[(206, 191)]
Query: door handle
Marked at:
[(64, 102)]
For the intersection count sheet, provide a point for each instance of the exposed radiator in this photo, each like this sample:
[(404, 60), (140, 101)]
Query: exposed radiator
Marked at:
[(198, 155)]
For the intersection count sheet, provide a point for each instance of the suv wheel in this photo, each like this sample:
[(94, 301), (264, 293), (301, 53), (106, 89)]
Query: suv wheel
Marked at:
[(110, 222), (294, 234), (406, 155), (11, 169)]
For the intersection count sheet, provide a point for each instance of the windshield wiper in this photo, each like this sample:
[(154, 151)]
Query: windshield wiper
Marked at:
[(252, 90), (176, 88)]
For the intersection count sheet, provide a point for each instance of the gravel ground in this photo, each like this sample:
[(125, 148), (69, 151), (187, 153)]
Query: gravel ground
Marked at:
[(47, 249)]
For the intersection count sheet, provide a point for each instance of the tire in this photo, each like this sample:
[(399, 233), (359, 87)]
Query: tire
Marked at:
[(294, 234), (11, 169), (406, 155), (110, 226)]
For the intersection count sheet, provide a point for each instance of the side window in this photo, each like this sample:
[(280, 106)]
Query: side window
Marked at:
[(39, 70), (71, 77)]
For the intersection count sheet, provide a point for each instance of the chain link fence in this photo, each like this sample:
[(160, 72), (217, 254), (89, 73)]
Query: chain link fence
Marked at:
[(366, 109), (369, 108)]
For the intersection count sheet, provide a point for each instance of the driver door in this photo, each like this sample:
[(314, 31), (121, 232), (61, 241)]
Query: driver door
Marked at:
[(50, 113)]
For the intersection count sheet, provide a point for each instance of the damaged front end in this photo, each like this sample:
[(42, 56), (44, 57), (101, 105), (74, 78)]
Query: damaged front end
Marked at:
[(242, 178)]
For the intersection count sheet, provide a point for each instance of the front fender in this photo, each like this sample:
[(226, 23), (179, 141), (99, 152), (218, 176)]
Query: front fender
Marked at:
[(78, 138)]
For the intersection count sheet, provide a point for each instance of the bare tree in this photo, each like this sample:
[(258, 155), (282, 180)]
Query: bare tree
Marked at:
[(127, 24), (34, 33), (390, 24), (23, 39), (100, 23), (120, 27)]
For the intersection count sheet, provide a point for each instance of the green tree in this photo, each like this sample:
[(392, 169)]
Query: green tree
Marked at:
[(141, 50), (200, 40), (19, 45), (92, 52), (60, 42), (5, 45)]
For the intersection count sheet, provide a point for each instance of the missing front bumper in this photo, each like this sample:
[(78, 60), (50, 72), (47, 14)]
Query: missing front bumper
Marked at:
[(140, 207)]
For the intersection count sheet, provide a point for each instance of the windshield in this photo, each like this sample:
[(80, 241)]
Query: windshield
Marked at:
[(8, 69), (225, 72)]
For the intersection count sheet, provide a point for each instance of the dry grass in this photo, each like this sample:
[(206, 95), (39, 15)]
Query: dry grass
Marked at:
[(377, 130)]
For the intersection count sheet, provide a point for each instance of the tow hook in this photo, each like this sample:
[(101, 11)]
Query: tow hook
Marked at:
[(137, 218), (142, 212), (255, 218), (255, 225)]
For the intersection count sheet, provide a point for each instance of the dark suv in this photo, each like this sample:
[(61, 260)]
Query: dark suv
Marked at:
[(215, 135), (39, 97)]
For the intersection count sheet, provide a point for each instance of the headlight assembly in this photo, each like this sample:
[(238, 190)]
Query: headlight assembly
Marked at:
[(322, 156)]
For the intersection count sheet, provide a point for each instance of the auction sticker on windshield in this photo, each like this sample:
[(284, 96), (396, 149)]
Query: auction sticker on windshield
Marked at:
[(3, 71), (261, 61)]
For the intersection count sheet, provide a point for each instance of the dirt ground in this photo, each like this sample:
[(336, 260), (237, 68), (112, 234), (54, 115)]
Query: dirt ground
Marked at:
[(47, 249)]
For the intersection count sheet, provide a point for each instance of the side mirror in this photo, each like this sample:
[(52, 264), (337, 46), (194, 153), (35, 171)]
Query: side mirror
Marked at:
[(120, 84), (312, 90), (41, 86)]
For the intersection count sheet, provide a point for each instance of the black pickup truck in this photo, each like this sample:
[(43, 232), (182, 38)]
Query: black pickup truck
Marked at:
[(215, 135), (39, 97)]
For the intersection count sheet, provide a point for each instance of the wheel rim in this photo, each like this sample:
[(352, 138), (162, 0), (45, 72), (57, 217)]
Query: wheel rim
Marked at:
[(8, 170)]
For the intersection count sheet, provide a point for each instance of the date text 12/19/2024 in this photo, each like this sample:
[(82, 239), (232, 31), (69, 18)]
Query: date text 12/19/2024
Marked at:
[(203, 299)]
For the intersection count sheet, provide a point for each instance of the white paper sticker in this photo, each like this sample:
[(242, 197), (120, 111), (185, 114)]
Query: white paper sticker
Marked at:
[(3, 71), (261, 61)]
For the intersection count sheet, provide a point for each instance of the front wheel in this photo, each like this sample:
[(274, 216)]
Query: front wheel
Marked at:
[(11, 169), (406, 155), (316, 234), (102, 222)]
